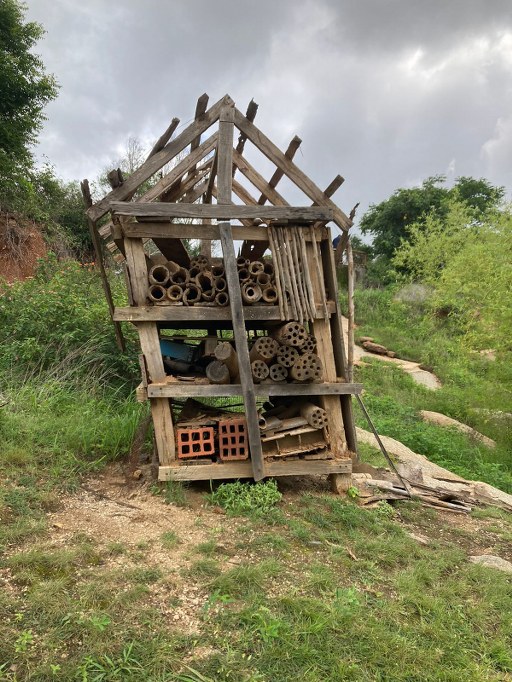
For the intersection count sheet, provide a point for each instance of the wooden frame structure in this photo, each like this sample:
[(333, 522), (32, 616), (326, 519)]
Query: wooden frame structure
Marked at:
[(202, 192)]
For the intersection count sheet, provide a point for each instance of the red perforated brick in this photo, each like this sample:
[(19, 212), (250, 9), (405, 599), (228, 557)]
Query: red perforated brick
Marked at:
[(233, 439), (198, 442)]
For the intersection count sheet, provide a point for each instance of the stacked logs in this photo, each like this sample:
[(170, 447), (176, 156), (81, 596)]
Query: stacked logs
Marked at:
[(204, 283), (291, 420), (287, 355)]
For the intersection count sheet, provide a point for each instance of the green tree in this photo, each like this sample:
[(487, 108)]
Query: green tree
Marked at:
[(25, 88), (389, 221)]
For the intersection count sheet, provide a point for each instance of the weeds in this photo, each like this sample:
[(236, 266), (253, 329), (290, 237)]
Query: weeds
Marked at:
[(246, 498)]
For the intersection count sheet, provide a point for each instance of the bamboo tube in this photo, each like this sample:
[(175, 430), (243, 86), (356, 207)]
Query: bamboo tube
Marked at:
[(218, 271), (244, 275), (194, 271), (222, 299), (263, 279), (269, 423), (306, 275), (255, 267), (264, 348), (172, 267), (191, 294), (269, 294), (299, 269), (286, 355), (251, 293), (291, 334), (278, 372), (217, 372), (181, 276), (220, 284), (242, 262), (259, 370), (175, 293), (314, 415), (296, 299), (276, 274), (226, 353), (159, 274), (156, 292), (205, 283), (268, 268), (286, 272)]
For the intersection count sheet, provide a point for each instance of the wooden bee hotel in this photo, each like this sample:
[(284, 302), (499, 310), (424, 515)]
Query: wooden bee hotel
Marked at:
[(242, 358)]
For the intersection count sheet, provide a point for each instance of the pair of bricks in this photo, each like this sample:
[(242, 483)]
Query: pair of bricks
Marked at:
[(200, 441)]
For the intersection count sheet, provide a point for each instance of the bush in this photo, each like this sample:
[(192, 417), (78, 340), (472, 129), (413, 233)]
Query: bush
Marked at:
[(245, 498)]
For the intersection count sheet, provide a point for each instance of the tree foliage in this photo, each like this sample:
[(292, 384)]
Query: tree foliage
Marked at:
[(389, 221), (466, 259), (25, 88)]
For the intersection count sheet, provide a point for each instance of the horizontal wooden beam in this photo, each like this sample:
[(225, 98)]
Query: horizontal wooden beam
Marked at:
[(158, 160), (147, 230), (172, 313), (184, 390), (218, 212), (206, 472)]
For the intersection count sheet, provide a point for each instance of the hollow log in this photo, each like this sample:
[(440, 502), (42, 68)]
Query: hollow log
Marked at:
[(159, 274), (156, 292), (175, 293), (244, 275), (268, 268), (225, 352), (218, 271), (220, 284), (181, 276), (172, 267), (255, 267), (251, 293), (242, 263), (218, 373), (309, 345), (269, 294), (191, 294), (222, 299), (307, 367), (269, 423), (263, 279)]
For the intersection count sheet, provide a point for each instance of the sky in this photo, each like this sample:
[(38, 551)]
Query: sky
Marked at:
[(384, 92)]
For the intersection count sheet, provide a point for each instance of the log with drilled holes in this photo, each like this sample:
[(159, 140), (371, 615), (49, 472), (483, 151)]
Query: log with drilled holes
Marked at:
[(278, 372), (286, 355), (259, 370), (307, 367), (314, 415), (264, 348), (291, 334)]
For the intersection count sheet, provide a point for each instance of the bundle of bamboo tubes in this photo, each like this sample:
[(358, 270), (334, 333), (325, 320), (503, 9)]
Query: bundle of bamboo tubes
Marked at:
[(291, 420), (204, 283)]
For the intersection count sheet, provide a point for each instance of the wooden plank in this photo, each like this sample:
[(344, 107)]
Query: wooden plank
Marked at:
[(176, 173), (224, 187), (150, 347), (338, 347), (170, 313), (243, 194), (258, 181), (158, 160), (222, 212), (250, 115), (269, 149), (226, 470), (164, 138), (149, 230), (278, 173), (185, 390)]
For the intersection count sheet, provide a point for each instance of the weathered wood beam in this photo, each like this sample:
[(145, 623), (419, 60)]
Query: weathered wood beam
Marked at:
[(149, 230), (158, 160), (223, 212), (267, 190), (303, 182), (183, 390), (250, 115), (164, 138), (278, 173), (243, 194)]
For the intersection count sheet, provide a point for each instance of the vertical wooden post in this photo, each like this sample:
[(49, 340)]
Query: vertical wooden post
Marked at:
[(224, 186), (150, 347), (86, 193), (350, 286)]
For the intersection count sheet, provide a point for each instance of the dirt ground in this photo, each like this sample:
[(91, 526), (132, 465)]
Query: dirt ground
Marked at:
[(21, 244)]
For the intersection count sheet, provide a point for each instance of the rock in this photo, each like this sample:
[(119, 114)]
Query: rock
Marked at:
[(137, 474), (443, 420), (391, 354), (419, 538), (375, 348), (492, 561), (363, 339)]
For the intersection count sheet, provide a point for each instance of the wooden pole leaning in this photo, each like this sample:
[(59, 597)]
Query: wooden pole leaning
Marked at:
[(224, 187)]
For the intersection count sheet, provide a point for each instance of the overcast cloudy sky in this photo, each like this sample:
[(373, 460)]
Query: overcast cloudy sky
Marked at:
[(385, 92)]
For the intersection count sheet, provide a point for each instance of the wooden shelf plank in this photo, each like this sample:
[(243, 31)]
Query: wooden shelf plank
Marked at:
[(184, 390), (299, 467), (221, 212), (170, 313)]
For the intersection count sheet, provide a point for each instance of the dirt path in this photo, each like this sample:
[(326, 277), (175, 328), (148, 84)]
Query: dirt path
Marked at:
[(421, 376)]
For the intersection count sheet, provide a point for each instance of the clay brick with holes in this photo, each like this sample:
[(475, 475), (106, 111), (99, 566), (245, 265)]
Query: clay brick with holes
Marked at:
[(233, 439), (198, 442)]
